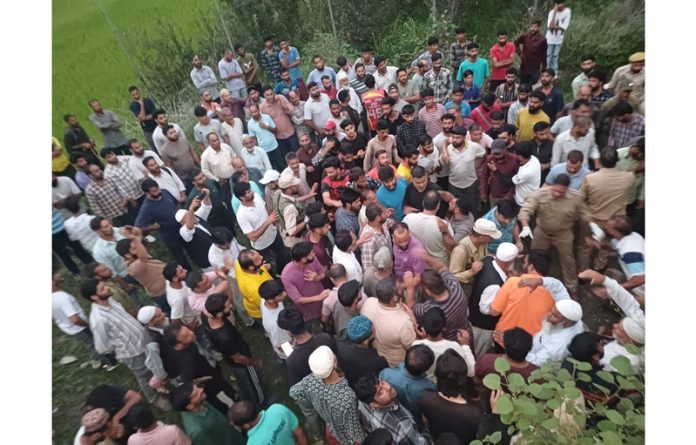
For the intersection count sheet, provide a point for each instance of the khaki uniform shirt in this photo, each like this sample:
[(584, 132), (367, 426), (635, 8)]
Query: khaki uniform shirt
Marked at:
[(555, 215), (463, 254), (606, 192)]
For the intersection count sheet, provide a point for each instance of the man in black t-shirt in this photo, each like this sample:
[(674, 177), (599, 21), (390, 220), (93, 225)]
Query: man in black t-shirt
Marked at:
[(418, 187), (355, 355), (542, 147), (229, 342), (117, 400), (355, 141)]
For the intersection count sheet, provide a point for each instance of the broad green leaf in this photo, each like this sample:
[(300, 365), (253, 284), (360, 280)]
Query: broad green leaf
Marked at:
[(586, 441), (523, 424), (639, 422), (475, 442), (583, 377), (537, 374), (504, 405), (626, 405), (622, 365), (515, 379), (492, 381), (553, 404), (564, 376), (571, 393), (633, 349), (527, 407), (606, 376), (581, 366), (611, 438), (606, 425), (511, 429), (495, 437), (534, 389), (550, 424), (625, 383), (603, 389), (501, 365), (507, 419), (615, 417)]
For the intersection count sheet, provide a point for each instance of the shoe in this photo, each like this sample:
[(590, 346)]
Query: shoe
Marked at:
[(110, 368), (162, 404)]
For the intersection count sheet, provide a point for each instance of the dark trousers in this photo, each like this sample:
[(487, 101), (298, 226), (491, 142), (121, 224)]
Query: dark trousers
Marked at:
[(85, 336), (472, 194), (248, 382), (128, 218), (289, 144), (214, 386), (276, 254), (529, 79), (62, 247), (150, 141), (277, 158)]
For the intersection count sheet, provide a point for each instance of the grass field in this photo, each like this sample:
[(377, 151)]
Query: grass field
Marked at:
[(88, 61)]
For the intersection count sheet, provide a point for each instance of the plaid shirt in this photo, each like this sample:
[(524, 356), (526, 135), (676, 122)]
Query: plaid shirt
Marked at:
[(105, 199), (395, 419), (115, 330), (368, 250), (440, 83), (409, 135), (271, 63), (123, 176), (347, 220), (622, 133)]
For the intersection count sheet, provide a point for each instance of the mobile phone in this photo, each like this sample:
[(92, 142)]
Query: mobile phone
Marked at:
[(201, 196)]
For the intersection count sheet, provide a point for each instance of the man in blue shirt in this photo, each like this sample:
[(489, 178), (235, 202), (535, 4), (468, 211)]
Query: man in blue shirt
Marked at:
[(477, 65), (573, 167), (320, 71), (157, 212), (143, 108), (276, 425), (262, 127), (392, 191), (285, 85)]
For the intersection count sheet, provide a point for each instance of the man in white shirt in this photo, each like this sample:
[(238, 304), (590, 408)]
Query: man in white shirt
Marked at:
[(580, 137), (177, 295), (71, 319), (259, 226), (316, 110), (78, 225), (216, 164), (558, 328), (384, 75), (138, 155), (165, 178), (556, 26), (345, 243), (232, 130), (464, 159), (272, 293), (158, 136), (62, 188), (528, 176), (436, 234)]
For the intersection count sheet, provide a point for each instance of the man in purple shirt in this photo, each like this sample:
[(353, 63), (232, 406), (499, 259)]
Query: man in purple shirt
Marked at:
[(405, 247), (531, 47), (302, 279)]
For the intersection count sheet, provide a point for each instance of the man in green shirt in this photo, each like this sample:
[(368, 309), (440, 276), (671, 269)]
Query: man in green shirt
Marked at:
[(250, 66), (277, 425), (204, 424)]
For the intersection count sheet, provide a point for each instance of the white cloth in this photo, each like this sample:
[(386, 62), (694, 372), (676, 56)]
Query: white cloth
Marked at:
[(562, 19), (426, 230), (65, 187), (251, 218), (217, 256), (277, 336), (527, 180), (217, 165), (462, 164), (318, 111), (550, 344), (613, 349), (234, 135), (557, 289), (430, 162), (625, 301), (350, 262), (565, 143), (178, 300), (78, 229), (257, 159), (382, 81), (490, 291), (136, 164), (439, 348), (65, 306), (169, 181), (202, 212)]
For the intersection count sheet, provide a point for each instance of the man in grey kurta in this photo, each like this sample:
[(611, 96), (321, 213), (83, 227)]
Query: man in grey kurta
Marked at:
[(204, 78), (110, 125)]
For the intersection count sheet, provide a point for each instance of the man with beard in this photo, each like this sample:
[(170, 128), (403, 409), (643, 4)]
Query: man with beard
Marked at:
[(231, 73), (477, 65), (358, 82), (439, 79), (105, 198), (376, 216), (531, 47), (520, 104), (220, 214), (157, 212), (428, 157), (507, 91), (587, 64), (496, 177), (216, 164), (382, 141), (165, 178), (440, 141), (269, 59), (503, 56), (211, 107), (316, 111), (302, 279), (553, 97), (558, 328), (598, 94), (204, 126), (138, 155), (410, 132), (416, 190), (579, 108), (634, 73), (626, 126), (465, 159), (542, 147), (320, 70), (159, 137), (178, 155), (405, 245), (195, 230), (335, 180), (299, 170), (281, 112), (116, 331), (408, 161), (143, 109), (605, 118), (392, 191), (579, 137), (291, 210), (250, 67), (390, 115), (144, 268), (109, 124), (285, 85), (204, 78), (407, 87), (526, 118), (117, 170), (76, 140)]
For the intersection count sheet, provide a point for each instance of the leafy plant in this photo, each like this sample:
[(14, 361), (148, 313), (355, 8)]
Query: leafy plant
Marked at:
[(549, 409)]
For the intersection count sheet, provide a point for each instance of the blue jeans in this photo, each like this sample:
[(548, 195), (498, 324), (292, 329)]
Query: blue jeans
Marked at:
[(552, 54)]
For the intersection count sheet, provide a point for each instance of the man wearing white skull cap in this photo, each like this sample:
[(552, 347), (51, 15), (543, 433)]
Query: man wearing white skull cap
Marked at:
[(561, 324)]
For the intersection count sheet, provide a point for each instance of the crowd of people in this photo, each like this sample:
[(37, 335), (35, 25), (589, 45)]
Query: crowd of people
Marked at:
[(389, 229)]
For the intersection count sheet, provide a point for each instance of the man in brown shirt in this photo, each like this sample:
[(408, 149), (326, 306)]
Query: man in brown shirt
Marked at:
[(280, 110), (145, 269), (557, 208), (605, 192)]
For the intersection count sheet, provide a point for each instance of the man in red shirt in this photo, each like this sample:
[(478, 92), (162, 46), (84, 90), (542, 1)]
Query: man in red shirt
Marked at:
[(372, 101), (482, 113), (496, 176), (335, 180), (503, 55)]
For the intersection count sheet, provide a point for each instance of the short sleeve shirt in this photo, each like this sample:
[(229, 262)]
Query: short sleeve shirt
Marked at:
[(275, 427), (463, 165)]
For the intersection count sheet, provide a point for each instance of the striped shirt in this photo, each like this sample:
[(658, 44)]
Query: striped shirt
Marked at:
[(379, 240), (57, 223), (115, 330), (105, 199), (431, 119), (124, 178), (455, 307)]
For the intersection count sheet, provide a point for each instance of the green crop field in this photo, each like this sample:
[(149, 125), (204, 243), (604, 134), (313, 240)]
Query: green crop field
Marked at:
[(89, 62)]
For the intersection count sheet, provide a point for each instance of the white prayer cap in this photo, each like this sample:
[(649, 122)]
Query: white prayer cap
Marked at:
[(322, 362), (179, 215), (634, 331), (506, 252), (570, 309), (146, 314)]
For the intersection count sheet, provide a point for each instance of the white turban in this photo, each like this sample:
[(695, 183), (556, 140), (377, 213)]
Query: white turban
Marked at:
[(146, 314), (340, 75), (570, 309), (635, 331), (179, 215), (322, 362), (506, 252)]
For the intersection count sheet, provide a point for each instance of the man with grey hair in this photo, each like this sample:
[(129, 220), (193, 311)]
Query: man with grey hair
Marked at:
[(255, 157), (216, 164)]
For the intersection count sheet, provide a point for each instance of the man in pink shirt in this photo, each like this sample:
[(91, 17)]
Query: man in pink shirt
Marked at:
[(503, 55), (281, 111), (151, 431), (201, 285)]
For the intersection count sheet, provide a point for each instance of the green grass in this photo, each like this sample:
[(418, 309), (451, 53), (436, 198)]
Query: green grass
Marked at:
[(88, 61)]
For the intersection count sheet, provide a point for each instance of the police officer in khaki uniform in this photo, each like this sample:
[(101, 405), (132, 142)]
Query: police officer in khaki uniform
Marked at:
[(634, 73), (557, 208), (606, 193)]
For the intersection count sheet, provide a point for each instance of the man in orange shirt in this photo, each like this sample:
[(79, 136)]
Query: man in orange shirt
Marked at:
[(522, 306)]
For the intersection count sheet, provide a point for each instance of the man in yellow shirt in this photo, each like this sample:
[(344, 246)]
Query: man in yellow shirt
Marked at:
[(60, 162), (409, 159), (529, 116), (251, 271)]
